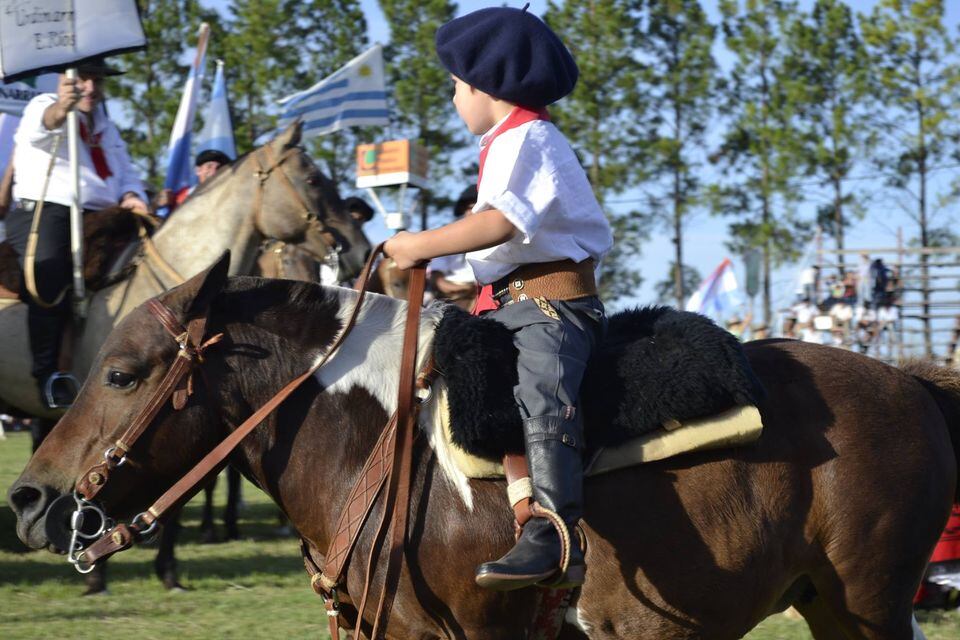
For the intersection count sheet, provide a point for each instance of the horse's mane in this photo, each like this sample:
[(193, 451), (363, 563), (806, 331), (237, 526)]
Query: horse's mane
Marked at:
[(329, 189), (264, 301)]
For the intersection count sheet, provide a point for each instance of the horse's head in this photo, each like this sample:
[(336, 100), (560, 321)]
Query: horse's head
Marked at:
[(297, 203), (126, 375)]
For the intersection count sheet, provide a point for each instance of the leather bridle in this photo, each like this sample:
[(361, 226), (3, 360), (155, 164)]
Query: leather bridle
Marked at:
[(266, 165), (392, 453)]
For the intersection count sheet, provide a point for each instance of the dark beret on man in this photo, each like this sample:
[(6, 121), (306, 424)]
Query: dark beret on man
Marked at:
[(509, 54), (360, 207), (212, 155)]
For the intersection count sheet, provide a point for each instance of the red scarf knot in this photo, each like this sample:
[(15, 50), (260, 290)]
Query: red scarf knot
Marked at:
[(96, 151)]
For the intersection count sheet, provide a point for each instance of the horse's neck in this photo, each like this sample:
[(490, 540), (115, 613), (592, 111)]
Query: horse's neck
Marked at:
[(219, 218), (322, 447)]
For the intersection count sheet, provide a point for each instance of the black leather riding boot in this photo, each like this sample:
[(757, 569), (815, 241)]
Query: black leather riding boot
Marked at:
[(556, 469)]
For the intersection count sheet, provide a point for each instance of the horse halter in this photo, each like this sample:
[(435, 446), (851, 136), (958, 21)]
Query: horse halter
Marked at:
[(176, 385), (263, 173)]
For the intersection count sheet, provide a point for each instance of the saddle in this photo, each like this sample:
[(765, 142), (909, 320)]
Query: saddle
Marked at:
[(661, 383), (111, 238)]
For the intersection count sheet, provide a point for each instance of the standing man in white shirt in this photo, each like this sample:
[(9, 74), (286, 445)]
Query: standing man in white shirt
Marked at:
[(107, 178)]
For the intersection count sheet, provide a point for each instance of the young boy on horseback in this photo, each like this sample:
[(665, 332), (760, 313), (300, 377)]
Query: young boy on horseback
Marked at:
[(533, 239)]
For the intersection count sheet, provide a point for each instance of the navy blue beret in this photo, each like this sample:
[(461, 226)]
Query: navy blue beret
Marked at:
[(510, 54)]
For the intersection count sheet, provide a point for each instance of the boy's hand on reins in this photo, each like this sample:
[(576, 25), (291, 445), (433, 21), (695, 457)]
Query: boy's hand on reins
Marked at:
[(402, 249)]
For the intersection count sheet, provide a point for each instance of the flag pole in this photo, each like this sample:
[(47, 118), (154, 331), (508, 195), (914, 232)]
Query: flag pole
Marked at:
[(76, 213)]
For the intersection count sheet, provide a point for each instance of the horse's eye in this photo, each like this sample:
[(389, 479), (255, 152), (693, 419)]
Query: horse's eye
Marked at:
[(121, 379)]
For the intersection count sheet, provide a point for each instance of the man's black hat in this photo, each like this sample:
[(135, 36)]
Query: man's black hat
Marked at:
[(359, 206), (212, 155), (468, 198), (510, 54), (97, 66)]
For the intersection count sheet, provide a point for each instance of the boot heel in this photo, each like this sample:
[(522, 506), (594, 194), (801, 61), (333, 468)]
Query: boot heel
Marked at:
[(574, 577)]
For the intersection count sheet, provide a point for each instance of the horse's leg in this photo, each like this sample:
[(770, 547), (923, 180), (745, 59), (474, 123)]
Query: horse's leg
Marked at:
[(165, 564), (862, 603), (233, 504), (822, 623), (208, 532)]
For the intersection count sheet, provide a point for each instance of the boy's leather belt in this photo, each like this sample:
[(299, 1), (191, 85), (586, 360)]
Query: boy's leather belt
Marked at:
[(560, 280)]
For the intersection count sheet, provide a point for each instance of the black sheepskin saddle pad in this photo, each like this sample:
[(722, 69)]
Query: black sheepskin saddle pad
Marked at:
[(655, 365)]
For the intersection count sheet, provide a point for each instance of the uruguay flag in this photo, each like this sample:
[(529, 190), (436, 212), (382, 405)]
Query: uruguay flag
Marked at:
[(718, 294), (180, 175), (217, 132), (354, 95)]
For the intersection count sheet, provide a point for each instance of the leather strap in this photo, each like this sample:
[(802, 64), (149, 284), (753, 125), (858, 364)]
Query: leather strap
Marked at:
[(176, 384), (398, 493), (122, 536)]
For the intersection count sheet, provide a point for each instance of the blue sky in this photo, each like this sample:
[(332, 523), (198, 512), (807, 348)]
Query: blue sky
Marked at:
[(706, 234)]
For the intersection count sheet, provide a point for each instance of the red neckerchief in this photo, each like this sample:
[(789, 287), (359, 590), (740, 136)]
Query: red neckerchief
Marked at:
[(517, 117), (96, 151)]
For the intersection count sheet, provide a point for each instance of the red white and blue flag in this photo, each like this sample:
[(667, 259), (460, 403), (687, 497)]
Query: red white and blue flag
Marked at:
[(180, 174), (217, 132), (718, 294)]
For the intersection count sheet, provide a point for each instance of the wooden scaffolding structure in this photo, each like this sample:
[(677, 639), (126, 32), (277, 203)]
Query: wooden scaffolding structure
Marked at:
[(927, 296)]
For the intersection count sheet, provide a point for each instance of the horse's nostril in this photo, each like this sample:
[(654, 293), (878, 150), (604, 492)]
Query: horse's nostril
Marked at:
[(25, 498)]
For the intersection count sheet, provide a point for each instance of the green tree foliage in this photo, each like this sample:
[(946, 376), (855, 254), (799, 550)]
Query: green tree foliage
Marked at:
[(761, 147), (149, 91), (681, 77), (666, 288), (603, 118), (827, 79), (915, 85), (263, 47), (422, 108)]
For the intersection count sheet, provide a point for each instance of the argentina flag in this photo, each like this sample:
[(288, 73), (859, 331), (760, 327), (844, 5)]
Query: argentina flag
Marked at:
[(355, 95), (180, 175), (217, 132)]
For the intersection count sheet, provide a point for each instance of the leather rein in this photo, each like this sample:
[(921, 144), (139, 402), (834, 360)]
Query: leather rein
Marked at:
[(390, 462)]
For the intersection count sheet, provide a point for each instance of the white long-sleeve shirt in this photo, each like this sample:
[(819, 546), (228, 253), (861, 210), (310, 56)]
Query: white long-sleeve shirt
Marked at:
[(533, 176), (33, 144)]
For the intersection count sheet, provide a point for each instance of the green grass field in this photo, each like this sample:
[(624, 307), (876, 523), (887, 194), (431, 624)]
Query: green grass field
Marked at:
[(254, 588)]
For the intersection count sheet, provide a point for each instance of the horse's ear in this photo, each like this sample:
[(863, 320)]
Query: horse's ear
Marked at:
[(289, 137), (207, 285)]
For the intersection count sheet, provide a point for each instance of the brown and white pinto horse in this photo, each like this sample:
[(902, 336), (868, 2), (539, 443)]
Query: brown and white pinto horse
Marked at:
[(835, 509)]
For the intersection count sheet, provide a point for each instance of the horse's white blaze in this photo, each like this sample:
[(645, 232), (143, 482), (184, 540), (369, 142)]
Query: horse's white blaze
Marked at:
[(370, 358)]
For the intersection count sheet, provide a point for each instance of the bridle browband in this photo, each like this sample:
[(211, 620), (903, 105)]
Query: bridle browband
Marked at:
[(393, 449)]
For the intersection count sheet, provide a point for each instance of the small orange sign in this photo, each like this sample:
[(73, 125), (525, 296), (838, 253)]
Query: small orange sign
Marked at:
[(391, 163)]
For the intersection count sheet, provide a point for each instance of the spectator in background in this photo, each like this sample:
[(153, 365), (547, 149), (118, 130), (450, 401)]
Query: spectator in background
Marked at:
[(206, 165), (451, 278), (359, 210), (809, 282), (805, 311), (864, 283)]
